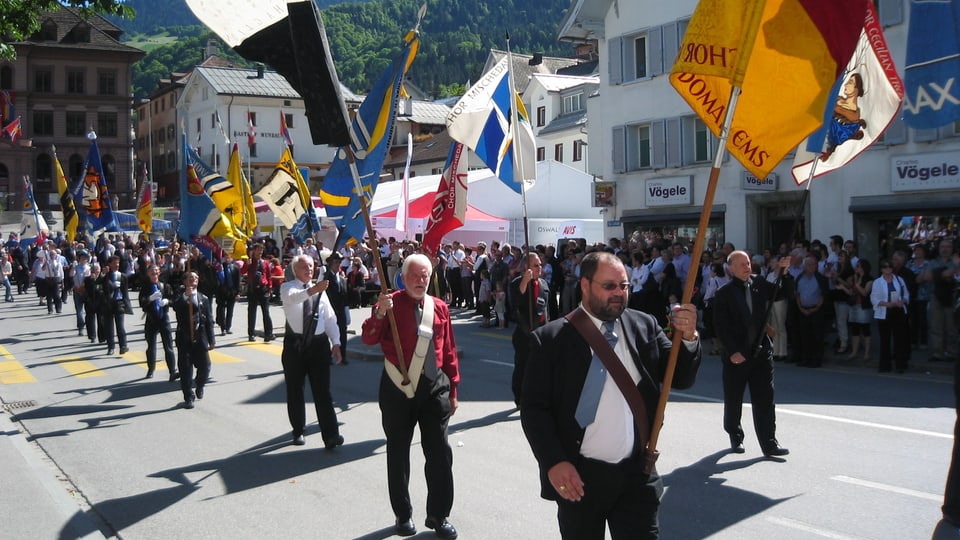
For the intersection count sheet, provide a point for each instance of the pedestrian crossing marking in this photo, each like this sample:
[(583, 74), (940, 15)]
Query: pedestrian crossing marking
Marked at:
[(78, 367), (506, 337), (140, 358), (263, 347), (11, 371), (217, 357)]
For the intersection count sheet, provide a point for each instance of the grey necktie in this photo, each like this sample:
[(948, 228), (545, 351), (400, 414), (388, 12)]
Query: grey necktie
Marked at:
[(747, 295), (429, 359), (593, 385), (307, 312)]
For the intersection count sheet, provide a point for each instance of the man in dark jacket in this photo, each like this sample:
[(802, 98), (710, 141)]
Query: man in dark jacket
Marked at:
[(529, 295), (195, 338), (337, 294), (155, 298)]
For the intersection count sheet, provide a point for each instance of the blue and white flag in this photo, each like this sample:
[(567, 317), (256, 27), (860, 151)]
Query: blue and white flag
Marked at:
[(933, 64), (482, 119)]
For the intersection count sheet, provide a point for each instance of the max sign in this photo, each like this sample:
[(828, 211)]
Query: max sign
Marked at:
[(671, 191)]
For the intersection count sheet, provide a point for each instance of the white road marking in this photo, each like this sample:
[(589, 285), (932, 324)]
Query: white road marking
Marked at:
[(781, 410), (805, 527), (888, 487), (508, 364)]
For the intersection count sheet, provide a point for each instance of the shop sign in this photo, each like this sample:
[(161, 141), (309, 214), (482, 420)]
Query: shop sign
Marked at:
[(939, 170), (750, 182), (670, 191)]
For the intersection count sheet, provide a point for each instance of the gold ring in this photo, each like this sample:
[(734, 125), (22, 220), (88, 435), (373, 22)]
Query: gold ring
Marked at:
[(563, 488)]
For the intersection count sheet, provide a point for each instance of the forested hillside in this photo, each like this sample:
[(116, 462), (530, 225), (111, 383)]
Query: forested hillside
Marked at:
[(456, 36)]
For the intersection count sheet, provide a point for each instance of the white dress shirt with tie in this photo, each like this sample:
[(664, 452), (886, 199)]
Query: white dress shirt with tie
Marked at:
[(294, 294)]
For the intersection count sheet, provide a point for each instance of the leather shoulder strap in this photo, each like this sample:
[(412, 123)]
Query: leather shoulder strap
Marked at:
[(585, 327)]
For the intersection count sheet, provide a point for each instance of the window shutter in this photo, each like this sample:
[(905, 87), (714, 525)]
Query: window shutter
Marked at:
[(655, 51), (615, 53), (674, 142), (658, 151), (619, 150), (671, 44), (629, 60)]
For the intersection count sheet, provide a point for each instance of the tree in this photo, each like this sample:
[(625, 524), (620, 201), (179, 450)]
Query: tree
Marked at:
[(20, 20)]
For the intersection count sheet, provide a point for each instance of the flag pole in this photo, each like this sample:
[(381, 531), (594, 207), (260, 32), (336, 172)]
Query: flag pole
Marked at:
[(517, 154), (692, 275), (384, 288)]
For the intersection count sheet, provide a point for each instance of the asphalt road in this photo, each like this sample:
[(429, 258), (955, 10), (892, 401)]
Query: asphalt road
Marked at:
[(92, 448)]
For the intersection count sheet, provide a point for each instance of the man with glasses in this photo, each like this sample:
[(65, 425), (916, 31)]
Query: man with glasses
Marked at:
[(427, 399), (580, 426), (529, 297)]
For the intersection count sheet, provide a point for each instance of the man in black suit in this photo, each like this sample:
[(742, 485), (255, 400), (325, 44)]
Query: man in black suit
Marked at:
[(593, 464), (155, 298), (747, 354), (195, 338), (529, 297), (115, 304), (337, 294), (228, 277)]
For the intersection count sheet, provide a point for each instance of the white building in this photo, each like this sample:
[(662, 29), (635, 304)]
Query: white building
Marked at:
[(558, 112), (232, 93), (644, 137)]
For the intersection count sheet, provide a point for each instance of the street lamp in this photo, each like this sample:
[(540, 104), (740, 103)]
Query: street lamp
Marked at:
[(146, 103)]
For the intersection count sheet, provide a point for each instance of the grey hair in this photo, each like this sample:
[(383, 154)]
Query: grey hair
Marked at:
[(419, 258), (301, 257)]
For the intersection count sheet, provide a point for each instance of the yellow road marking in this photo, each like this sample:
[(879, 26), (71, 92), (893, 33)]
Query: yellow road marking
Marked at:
[(79, 367), (271, 348), (13, 372), (217, 357)]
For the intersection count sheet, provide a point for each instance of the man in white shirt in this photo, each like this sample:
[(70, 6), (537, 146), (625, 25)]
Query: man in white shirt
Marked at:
[(310, 340)]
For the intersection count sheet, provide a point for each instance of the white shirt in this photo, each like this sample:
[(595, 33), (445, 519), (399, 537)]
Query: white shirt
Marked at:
[(294, 294), (610, 437)]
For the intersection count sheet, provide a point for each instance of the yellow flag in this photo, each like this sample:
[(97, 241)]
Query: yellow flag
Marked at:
[(783, 54), (70, 218), (145, 208), (248, 221)]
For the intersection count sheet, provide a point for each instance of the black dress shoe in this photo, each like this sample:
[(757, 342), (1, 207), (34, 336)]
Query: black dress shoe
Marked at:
[(199, 392), (149, 373), (269, 338), (174, 376), (775, 450), (736, 446), (188, 404), (405, 527), (333, 443), (441, 527), (123, 350), (298, 440)]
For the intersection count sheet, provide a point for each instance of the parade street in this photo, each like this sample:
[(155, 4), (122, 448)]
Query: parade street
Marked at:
[(90, 447)]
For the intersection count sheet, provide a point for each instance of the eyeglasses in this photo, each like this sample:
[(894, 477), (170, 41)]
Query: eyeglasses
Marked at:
[(614, 286)]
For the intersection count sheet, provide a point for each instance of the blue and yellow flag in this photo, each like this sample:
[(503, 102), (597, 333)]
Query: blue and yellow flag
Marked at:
[(373, 129), (200, 219)]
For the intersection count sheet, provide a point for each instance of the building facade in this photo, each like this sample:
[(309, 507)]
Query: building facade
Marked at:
[(71, 78), (647, 141)]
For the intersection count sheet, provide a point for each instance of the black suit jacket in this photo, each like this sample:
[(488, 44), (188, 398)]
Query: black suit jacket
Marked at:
[(740, 330), (147, 305), (555, 373), (203, 317)]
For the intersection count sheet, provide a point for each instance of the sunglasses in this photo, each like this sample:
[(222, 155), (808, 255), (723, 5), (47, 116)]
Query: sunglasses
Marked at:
[(610, 287)]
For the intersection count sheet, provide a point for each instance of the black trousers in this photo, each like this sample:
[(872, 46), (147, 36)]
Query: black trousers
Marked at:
[(259, 300), (456, 287), (430, 409), (152, 327), (951, 493), (619, 496), (311, 364), (54, 300), (757, 374), (810, 332), (190, 356), (225, 305), (521, 350), (896, 329), (113, 325)]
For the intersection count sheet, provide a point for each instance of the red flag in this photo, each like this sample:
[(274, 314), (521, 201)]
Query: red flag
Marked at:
[(13, 129), (284, 132), (251, 131), (450, 204)]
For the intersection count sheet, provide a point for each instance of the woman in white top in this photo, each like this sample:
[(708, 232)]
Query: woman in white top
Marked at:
[(890, 297)]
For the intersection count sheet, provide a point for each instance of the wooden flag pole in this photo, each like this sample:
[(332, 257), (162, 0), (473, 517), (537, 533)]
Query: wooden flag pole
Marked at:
[(384, 288), (692, 274)]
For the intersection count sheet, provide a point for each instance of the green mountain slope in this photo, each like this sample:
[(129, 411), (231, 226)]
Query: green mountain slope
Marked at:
[(456, 36)]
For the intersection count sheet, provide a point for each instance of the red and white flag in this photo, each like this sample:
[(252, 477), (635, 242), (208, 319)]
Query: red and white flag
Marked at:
[(13, 129), (449, 208), (251, 130)]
